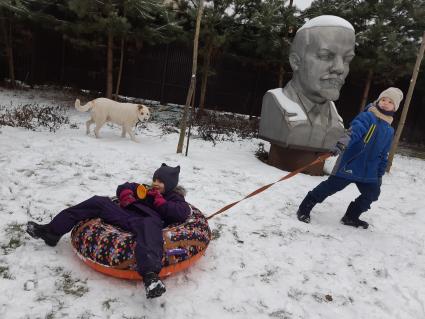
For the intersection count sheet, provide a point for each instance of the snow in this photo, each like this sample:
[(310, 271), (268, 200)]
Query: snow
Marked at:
[(262, 263), (327, 21), (295, 111)]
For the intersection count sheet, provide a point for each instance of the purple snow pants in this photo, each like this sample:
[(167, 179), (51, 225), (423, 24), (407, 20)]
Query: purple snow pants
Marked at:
[(147, 226)]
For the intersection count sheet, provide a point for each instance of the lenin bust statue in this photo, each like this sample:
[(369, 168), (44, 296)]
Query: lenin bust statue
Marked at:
[(301, 119)]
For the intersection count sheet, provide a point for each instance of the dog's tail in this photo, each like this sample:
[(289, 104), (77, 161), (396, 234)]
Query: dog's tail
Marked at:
[(83, 108)]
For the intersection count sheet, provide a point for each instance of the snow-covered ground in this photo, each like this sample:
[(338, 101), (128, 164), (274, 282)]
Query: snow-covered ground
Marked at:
[(262, 263)]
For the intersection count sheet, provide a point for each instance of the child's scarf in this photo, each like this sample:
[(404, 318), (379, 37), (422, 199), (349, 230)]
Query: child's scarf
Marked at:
[(380, 115)]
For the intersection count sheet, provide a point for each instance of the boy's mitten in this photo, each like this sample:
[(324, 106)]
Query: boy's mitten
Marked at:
[(158, 200), (126, 197), (341, 145)]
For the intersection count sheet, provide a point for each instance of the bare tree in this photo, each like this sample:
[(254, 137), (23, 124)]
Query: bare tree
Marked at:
[(191, 92), (406, 104)]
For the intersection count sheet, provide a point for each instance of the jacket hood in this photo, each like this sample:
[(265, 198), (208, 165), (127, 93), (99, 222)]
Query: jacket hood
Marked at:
[(180, 190)]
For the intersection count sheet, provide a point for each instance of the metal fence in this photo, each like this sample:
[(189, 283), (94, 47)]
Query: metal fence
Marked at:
[(159, 73)]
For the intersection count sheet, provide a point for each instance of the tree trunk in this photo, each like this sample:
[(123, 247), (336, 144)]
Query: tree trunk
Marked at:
[(251, 96), (7, 34), (191, 91), (406, 104), (366, 90), (281, 74), (164, 75), (32, 77), (109, 66), (120, 68), (62, 74), (205, 74)]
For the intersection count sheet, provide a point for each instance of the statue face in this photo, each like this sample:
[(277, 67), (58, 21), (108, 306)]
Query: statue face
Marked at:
[(320, 71)]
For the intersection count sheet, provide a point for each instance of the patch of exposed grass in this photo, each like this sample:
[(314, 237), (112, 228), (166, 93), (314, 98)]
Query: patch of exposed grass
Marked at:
[(4, 272), (15, 232), (71, 286), (281, 314), (86, 315), (107, 303), (216, 233)]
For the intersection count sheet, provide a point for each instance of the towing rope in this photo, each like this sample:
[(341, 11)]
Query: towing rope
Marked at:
[(320, 159)]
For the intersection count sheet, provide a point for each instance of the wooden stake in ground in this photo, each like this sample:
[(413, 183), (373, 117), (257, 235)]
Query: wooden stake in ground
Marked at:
[(406, 104), (117, 90), (191, 91)]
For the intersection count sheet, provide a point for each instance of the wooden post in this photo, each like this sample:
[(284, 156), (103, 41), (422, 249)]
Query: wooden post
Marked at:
[(109, 65), (117, 89), (190, 121), (366, 90), (191, 91), (406, 104), (164, 73)]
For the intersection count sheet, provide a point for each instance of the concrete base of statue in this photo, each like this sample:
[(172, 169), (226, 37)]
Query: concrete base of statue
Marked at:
[(288, 159)]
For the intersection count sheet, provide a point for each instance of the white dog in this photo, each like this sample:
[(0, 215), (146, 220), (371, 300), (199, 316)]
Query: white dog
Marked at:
[(105, 110)]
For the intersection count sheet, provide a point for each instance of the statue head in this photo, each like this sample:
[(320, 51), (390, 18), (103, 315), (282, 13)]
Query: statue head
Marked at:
[(320, 56)]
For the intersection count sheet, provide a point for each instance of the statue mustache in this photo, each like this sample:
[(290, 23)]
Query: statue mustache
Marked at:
[(333, 81)]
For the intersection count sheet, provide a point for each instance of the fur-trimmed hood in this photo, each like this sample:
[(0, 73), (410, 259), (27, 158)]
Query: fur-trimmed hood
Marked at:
[(180, 190)]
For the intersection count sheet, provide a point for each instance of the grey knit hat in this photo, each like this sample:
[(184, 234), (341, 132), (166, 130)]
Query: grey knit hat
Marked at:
[(395, 94), (168, 175)]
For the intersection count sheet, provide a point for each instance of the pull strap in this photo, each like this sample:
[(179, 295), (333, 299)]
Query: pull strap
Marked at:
[(321, 158)]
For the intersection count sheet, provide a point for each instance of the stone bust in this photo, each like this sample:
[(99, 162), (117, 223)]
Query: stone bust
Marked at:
[(302, 115)]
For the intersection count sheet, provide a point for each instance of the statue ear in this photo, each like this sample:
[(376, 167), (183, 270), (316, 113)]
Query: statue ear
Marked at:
[(294, 61)]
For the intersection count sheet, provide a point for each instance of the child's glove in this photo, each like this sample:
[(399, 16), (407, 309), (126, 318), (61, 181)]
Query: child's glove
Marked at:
[(126, 197), (341, 145), (337, 149), (158, 200)]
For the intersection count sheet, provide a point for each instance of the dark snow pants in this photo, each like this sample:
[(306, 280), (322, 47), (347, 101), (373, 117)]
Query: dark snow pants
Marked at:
[(369, 192), (146, 227)]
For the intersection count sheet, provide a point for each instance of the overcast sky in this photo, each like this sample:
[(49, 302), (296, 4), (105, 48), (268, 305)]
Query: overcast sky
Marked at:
[(302, 4)]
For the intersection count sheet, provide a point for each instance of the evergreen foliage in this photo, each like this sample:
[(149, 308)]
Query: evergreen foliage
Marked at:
[(387, 33), (255, 33)]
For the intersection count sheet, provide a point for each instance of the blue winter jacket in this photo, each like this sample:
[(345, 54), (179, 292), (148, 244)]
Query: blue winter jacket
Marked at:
[(365, 158)]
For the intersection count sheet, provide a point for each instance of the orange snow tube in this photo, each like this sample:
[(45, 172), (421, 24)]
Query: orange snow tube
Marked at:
[(110, 250)]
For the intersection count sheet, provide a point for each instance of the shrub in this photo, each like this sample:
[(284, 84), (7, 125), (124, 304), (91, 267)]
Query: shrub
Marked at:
[(226, 127), (34, 116), (261, 153)]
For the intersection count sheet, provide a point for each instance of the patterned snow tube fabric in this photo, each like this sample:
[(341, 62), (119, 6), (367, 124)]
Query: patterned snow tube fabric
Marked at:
[(110, 250)]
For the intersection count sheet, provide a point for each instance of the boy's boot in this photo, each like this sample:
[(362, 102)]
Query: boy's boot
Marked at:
[(351, 217), (42, 231), (303, 213), (153, 285)]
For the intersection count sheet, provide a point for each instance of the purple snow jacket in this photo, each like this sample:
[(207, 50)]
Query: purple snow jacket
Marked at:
[(175, 210)]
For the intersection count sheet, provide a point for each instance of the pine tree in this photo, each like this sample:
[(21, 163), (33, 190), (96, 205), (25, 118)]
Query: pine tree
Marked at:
[(10, 13), (100, 22), (265, 30), (216, 28)]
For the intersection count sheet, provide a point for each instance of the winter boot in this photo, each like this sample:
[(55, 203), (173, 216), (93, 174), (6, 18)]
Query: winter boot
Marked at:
[(351, 217), (42, 231), (153, 285), (303, 213)]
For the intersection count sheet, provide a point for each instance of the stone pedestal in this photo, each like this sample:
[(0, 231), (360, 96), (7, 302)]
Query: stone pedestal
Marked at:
[(291, 159)]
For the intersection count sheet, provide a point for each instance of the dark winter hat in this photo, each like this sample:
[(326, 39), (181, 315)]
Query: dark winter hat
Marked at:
[(168, 175)]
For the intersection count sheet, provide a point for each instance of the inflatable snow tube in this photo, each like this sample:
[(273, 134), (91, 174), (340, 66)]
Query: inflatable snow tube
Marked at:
[(110, 250)]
